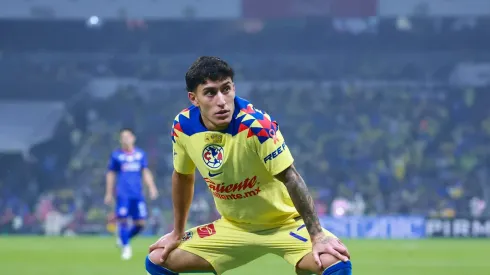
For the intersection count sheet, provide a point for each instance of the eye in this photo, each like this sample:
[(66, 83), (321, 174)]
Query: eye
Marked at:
[(227, 89), (210, 93)]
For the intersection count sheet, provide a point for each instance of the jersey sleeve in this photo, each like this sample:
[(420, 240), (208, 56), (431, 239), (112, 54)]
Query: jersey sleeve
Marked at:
[(113, 165), (183, 164), (273, 152)]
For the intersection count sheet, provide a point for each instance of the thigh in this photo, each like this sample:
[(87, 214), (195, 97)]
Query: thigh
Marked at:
[(292, 242), (181, 261), (221, 245), (122, 208), (307, 264), (137, 209)]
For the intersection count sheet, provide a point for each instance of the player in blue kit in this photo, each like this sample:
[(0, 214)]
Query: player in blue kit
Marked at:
[(127, 170)]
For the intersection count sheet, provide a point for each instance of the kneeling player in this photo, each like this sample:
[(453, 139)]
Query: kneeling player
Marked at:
[(264, 202)]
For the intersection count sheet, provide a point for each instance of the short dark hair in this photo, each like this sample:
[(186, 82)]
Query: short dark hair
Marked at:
[(207, 68), (126, 129)]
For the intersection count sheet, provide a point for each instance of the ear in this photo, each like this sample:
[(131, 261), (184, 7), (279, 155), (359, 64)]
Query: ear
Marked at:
[(193, 98)]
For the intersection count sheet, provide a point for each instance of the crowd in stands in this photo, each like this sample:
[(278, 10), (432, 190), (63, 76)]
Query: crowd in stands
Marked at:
[(386, 147)]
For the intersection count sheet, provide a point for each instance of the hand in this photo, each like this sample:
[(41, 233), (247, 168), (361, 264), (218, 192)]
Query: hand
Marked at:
[(153, 194), (108, 199), (168, 242), (329, 245)]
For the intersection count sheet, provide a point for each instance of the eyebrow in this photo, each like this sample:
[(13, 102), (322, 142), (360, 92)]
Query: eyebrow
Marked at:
[(212, 88)]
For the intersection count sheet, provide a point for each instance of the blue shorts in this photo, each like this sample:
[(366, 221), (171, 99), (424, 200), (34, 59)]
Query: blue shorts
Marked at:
[(134, 208)]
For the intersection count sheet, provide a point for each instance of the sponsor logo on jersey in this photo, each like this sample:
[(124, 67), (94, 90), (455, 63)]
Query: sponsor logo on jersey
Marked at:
[(213, 138), (211, 175), (276, 153), (206, 230), (131, 167), (212, 156), (130, 157), (240, 190)]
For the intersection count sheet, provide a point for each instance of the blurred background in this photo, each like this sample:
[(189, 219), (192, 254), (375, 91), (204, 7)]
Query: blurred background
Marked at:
[(384, 103)]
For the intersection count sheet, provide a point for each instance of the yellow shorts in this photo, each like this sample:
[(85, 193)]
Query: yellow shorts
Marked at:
[(226, 246)]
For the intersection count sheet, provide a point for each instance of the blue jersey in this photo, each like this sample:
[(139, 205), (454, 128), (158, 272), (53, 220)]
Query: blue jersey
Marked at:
[(128, 167)]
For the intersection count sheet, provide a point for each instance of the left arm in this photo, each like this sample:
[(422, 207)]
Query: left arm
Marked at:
[(277, 159), (150, 183), (305, 205), (302, 200), (148, 178)]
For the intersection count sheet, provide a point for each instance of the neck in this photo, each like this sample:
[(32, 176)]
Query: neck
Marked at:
[(211, 126), (128, 148)]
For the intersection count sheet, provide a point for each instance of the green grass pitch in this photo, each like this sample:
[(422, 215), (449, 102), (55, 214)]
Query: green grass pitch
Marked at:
[(99, 256)]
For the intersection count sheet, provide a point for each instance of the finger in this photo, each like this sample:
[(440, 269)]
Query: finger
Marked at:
[(340, 248), (337, 255), (343, 249), (165, 253), (346, 253), (316, 256), (154, 246)]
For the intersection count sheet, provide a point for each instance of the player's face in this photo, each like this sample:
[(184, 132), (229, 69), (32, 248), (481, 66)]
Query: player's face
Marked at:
[(215, 99), (127, 139)]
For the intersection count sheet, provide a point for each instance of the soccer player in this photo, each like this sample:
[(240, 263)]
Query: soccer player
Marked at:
[(264, 203), (128, 167)]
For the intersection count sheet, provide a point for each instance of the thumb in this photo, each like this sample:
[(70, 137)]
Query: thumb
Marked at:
[(316, 255), (165, 253), (153, 247)]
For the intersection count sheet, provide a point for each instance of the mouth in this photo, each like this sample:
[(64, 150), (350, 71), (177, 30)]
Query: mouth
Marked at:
[(222, 113)]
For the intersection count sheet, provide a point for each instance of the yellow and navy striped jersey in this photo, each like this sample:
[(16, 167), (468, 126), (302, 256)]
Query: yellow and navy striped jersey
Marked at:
[(238, 164)]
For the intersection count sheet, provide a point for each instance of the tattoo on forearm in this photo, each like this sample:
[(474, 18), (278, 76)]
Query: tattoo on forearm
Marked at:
[(302, 199)]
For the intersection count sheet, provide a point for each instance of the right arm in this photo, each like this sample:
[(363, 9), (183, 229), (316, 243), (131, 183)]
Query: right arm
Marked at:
[(182, 183), (182, 194), (110, 180)]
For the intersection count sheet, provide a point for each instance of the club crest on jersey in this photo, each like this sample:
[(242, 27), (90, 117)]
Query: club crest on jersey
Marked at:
[(212, 156), (273, 135), (187, 236)]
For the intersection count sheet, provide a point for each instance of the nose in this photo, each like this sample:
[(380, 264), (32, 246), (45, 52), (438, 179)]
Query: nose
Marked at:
[(220, 99)]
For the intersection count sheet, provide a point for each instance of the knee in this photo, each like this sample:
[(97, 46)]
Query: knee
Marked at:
[(140, 223), (154, 266), (328, 260), (332, 266), (179, 261), (156, 256)]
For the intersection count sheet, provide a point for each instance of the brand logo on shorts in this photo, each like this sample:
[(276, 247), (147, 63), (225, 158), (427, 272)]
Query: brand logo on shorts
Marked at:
[(213, 156), (122, 211), (206, 230), (187, 236)]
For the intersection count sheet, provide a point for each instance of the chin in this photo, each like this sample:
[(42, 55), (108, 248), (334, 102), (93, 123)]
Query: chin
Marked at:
[(222, 122)]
